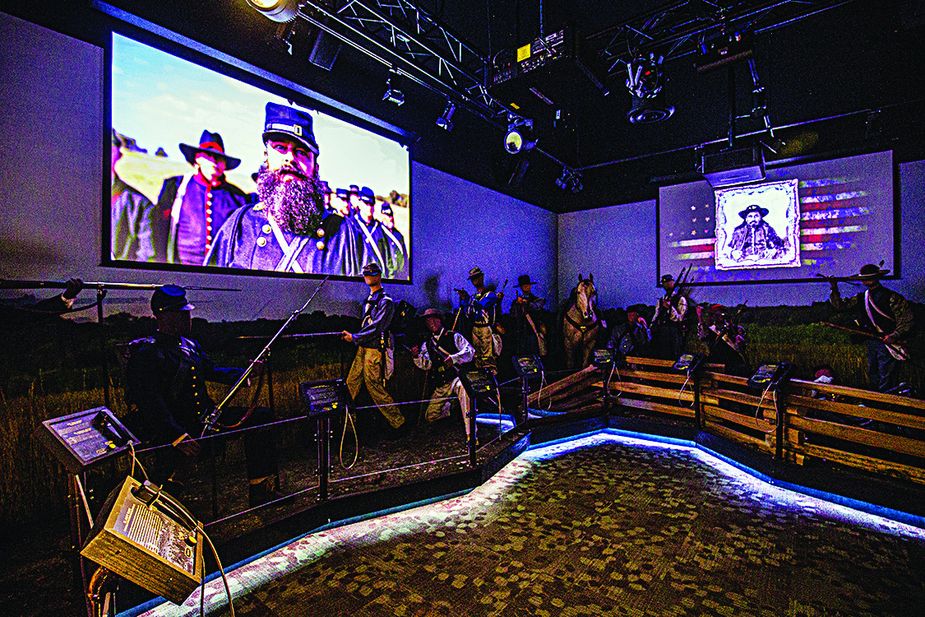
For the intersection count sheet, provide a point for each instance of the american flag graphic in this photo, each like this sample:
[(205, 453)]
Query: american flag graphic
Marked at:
[(835, 212)]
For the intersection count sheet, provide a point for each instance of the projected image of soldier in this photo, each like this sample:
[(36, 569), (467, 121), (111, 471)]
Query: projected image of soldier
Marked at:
[(286, 230), (754, 238), (375, 243), (395, 251), (196, 204), (134, 224)]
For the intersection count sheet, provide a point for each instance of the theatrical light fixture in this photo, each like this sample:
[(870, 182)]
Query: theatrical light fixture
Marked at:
[(570, 180), (281, 11), (519, 137), (445, 121), (393, 93), (645, 79)]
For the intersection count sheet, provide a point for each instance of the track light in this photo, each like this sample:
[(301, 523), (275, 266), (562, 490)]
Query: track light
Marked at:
[(644, 80), (393, 93), (281, 11), (519, 137), (570, 180), (445, 121)]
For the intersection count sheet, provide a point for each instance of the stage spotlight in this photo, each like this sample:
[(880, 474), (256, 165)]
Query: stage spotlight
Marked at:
[(645, 79), (445, 121), (393, 93), (281, 11), (647, 111), (519, 137), (570, 180)]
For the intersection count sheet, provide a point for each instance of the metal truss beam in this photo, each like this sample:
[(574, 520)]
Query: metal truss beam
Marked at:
[(677, 29), (398, 34)]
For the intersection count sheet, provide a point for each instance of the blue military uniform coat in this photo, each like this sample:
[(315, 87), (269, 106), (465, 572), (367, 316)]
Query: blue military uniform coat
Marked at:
[(251, 240)]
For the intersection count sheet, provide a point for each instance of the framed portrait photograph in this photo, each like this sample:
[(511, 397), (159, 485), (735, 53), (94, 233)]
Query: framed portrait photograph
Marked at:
[(758, 226)]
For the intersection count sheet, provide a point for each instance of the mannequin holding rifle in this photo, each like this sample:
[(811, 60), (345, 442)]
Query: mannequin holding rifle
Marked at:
[(668, 330), (888, 319)]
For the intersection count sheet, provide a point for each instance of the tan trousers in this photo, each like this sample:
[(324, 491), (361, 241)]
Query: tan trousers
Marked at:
[(439, 405), (366, 369), (484, 350)]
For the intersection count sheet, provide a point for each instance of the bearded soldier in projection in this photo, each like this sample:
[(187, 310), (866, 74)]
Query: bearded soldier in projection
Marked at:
[(289, 229)]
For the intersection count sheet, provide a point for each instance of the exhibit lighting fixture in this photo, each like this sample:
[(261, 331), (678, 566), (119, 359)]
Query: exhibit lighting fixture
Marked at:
[(445, 121), (393, 93), (570, 180), (645, 79), (519, 137), (281, 11)]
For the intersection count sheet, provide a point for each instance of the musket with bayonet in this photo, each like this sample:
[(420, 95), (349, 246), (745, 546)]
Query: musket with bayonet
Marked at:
[(211, 418)]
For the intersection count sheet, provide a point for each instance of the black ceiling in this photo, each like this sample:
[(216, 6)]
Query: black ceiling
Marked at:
[(864, 54)]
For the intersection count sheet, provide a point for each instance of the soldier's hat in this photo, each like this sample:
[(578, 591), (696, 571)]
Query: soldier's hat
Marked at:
[(432, 312), (870, 272), (386, 208), (475, 272), (524, 279), (372, 269), (169, 298), (665, 278), (210, 143), (290, 123), (366, 194), (754, 208)]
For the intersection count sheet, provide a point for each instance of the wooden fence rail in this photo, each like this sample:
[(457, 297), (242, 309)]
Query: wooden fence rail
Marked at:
[(805, 421)]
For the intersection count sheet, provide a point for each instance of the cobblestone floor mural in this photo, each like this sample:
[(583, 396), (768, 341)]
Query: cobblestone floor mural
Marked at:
[(605, 525)]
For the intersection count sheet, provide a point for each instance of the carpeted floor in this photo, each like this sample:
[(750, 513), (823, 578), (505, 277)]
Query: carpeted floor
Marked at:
[(620, 528)]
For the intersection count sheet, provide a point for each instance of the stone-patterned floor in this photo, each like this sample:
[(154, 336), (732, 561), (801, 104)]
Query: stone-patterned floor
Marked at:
[(620, 528)]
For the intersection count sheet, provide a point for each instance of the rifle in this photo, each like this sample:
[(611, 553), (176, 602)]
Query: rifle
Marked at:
[(896, 350), (22, 284), (678, 287), (211, 419), (262, 337), (839, 279), (722, 333)]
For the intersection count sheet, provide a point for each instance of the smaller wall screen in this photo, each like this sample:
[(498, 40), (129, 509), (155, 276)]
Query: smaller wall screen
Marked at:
[(828, 218)]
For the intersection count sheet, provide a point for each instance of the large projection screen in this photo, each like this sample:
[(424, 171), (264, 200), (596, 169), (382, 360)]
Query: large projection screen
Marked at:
[(822, 218), (193, 187)]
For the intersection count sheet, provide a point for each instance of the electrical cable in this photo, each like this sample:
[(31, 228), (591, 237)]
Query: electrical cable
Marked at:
[(681, 391), (131, 449), (348, 419), (220, 569), (758, 408)]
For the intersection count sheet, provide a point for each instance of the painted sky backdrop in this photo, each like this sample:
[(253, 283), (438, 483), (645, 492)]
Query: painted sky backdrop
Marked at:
[(161, 100)]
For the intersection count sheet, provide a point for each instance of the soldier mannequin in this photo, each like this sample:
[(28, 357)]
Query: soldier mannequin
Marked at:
[(668, 321), (372, 365), (444, 353), (483, 310), (165, 387)]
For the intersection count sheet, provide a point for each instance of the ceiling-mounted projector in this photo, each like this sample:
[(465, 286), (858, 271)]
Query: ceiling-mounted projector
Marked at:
[(733, 166)]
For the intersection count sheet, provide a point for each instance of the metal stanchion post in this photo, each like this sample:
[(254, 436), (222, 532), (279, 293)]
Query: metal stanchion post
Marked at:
[(698, 413), (780, 410), (269, 370), (471, 445), (323, 426), (100, 295), (525, 392)]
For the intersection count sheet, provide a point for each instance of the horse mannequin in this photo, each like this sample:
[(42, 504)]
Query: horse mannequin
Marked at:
[(581, 323)]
